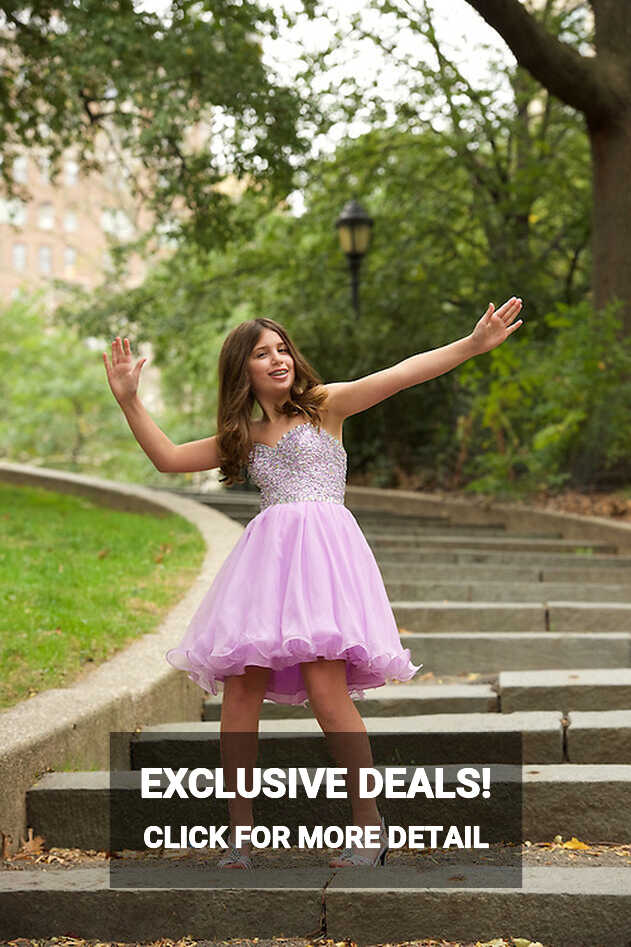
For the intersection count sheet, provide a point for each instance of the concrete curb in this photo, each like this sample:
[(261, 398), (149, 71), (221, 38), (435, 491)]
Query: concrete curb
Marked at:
[(136, 688)]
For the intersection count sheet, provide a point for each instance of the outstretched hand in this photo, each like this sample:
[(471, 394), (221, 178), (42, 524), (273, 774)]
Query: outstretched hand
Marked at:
[(495, 326), (123, 378)]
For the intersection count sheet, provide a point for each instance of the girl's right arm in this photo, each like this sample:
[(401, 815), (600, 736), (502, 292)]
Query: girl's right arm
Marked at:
[(166, 456)]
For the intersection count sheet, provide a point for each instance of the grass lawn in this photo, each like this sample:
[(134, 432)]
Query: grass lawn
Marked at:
[(79, 581)]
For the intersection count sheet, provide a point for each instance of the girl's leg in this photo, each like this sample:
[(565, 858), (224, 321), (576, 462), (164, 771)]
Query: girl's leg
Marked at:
[(325, 683), (240, 711)]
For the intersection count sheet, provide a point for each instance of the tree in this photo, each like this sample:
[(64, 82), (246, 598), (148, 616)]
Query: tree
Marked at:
[(598, 86), (56, 410), (74, 70)]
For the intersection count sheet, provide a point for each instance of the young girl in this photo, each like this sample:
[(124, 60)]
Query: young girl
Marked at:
[(298, 611)]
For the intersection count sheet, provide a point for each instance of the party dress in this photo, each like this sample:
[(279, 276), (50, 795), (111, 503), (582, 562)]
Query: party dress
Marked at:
[(300, 583)]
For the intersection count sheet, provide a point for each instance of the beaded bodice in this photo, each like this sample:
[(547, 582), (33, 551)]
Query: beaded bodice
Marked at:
[(305, 464)]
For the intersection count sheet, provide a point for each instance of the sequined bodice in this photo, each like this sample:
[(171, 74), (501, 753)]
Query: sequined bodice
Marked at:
[(305, 464)]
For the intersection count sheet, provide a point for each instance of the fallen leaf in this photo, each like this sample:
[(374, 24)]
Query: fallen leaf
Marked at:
[(574, 843)]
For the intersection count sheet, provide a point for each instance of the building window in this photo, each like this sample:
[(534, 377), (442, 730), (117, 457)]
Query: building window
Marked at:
[(20, 169), (45, 259), (70, 221), (19, 256), (116, 223), (107, 220), (71, 172), (46, 216), (70, 258)]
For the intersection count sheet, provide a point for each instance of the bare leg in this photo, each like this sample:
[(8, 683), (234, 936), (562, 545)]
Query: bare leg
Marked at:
[(325, 682), (240, 711)]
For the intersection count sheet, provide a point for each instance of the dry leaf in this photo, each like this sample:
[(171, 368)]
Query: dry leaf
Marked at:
[(574, 843), (34, 845)]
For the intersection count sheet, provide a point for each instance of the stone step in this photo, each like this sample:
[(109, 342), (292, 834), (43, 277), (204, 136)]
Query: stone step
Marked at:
[(614, 736), (491, 544), (589, 737), (574, 906), (513, 558), (491, 652), (477, 591), (472, 572), (555, 616), (591, 801), (413, 740), (471, 530), (390, 700), (569, 689)]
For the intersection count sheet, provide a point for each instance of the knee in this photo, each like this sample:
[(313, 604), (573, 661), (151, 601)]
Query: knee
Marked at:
[(326, 689), (246, 689)]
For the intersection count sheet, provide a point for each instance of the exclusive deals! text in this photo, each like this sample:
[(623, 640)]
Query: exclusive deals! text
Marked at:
[(274, 782)]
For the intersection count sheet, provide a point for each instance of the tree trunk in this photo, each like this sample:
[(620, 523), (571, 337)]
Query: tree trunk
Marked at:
[(611, 216), (600, 87)]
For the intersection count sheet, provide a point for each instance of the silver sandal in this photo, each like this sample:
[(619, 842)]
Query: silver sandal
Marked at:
[(232, 858), (356, 858)]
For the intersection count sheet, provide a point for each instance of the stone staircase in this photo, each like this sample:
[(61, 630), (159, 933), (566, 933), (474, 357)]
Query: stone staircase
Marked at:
[(525, 640)]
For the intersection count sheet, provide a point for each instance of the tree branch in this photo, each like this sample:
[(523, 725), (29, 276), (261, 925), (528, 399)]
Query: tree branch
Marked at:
[(577, 80)]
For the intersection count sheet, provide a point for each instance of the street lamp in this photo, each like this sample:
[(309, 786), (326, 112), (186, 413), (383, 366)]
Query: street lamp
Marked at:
[(354, 227)]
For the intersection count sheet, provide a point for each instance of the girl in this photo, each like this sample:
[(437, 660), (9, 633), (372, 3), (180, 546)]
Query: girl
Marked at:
[(298, 610)]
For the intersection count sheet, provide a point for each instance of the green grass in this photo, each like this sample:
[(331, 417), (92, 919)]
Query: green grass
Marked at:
[(79, 581)]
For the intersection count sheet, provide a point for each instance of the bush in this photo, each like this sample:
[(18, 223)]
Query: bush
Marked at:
[(540, 416)]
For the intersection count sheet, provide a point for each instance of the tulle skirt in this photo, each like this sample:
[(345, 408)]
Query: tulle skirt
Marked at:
[(301, 583)]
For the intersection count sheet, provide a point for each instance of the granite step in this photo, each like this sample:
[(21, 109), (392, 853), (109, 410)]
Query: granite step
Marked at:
[(446, 652), (490, 544), (556, 616), (565, 690), (410, 740), (505, 591), (565, 907), (472, 572), (541, 560), (394, 700)]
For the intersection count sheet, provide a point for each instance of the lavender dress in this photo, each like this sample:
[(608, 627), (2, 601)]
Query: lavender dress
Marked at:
[(300, 583)]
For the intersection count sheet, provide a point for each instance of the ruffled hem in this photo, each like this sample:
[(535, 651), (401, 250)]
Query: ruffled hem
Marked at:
[(362, 669)]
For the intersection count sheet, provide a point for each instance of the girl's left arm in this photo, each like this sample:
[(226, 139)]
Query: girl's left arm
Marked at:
[(350, 397)]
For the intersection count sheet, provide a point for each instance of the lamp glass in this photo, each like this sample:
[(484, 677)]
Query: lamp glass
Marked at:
[(355, 237)]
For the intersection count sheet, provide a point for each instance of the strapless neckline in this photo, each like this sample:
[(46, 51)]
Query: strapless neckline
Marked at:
[(295, 428)]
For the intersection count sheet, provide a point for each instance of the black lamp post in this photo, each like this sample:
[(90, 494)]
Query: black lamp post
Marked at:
[(354, 227)]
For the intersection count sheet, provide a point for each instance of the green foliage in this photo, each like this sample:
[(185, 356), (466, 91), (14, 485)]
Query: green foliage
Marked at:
[(57, 409), (553, 413), (140, 81)]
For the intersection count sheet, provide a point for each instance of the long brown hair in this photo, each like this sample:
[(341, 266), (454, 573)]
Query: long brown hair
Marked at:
[(236, 399)]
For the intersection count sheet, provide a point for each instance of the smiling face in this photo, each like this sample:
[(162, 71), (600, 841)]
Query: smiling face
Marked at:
[(270, 355)]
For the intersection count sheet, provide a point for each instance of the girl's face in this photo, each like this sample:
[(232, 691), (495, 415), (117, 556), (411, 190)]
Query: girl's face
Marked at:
[(269, 357)]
